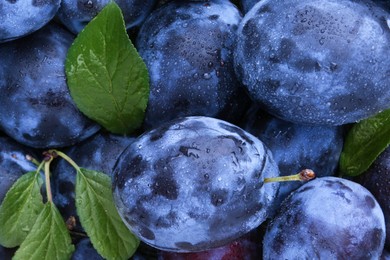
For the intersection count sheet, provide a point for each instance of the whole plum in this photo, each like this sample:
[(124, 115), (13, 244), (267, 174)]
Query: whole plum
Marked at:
[(36, 107), (76, 14), (327, 218), (187, 47), (193, 184), (316, 61), (21, 17)]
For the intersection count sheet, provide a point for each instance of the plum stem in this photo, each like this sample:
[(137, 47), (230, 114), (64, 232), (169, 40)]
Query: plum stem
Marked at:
[(304, 175), (67, 158)]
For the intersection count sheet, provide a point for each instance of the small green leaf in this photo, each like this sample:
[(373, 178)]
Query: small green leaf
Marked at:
[(99, 216), (364, 142), (20, 209), (49, 238), (107, 79)]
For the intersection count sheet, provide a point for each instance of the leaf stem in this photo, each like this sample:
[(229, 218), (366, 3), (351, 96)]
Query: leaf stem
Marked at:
[(67, 158), (40, 166), (32, 159), (47, 180)]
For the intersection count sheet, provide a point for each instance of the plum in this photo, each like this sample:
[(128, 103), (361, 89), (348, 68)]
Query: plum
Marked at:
[(187, 47), (316, 61), (22, 17), (194, 183), (76, 14), (244, 248), (296, 146), (36, 107), (247, 5), (13, 163), (85, 250), (327, 218), (377, 180), (6, 253)]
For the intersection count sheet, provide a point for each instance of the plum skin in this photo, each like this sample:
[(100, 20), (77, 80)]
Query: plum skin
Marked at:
[(22, 17), (377, 180), (314, 64), (76, 14), (194, 183), (13, 163), (296, 146)]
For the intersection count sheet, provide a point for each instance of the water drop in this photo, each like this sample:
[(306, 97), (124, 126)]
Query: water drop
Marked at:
[(206, 76)]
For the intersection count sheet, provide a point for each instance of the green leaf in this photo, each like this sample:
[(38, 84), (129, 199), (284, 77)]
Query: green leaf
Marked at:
[(20, 208), (49, 238), (99, 216), (364, 142), (107, 79)]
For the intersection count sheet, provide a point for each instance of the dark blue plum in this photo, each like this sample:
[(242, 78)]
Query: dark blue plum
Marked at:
[(187, 47), (384, 3), (99, 153), (247, 5), (316, 61), (296, 147), (13, 163), (193, 184), (21, 17), (377, 180), (76, 14), (85, 250), (36, 107), (243, 248), (385, 255), (6, 253), (327, 218)]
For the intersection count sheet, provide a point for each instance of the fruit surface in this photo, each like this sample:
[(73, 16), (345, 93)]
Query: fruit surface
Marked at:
[(377, 180), (316, 61), (244, 248), (21, 17), (13, 163), (296, 147), (85, 250), (194, 183), (327, 218), (187, 47), (76, 14), (36, 107)]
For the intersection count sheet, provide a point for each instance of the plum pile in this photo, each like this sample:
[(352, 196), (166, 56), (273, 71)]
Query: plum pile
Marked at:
[(240, 92)]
